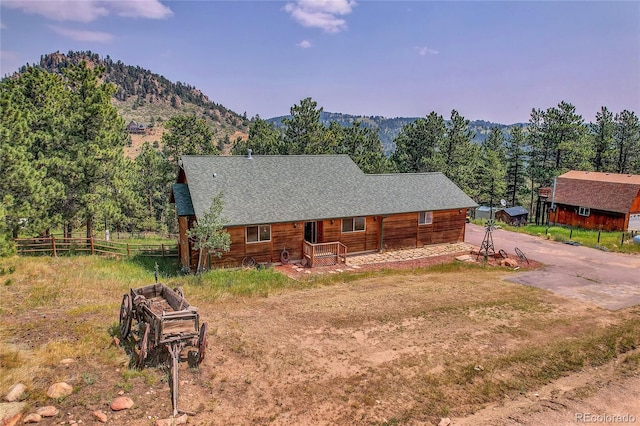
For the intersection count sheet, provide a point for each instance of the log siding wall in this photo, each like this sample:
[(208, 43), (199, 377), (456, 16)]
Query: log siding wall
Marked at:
[(399, 231)]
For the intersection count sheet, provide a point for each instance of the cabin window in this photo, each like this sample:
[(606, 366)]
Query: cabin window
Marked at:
[(425, 218), (260, 233), (584, 211), (353, 224)]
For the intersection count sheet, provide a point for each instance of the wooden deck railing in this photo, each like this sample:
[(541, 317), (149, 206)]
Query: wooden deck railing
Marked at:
[(54, 246), (325, 254)]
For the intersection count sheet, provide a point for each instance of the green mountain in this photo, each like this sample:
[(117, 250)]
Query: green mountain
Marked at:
[(389, 128), (148, 98)]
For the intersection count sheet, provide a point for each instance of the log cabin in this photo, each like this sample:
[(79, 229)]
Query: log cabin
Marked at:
[(314, 209), (596, 200)]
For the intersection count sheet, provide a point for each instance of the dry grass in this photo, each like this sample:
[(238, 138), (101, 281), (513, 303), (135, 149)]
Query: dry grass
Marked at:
[(389, 346)]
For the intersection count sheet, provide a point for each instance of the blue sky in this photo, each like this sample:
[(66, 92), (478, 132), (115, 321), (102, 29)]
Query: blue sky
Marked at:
[(489, 60)]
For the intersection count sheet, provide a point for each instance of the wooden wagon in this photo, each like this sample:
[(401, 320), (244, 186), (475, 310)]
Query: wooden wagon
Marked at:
[(164, 320)]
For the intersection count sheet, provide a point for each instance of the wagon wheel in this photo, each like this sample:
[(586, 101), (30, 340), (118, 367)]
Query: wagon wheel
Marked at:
[(144, 346), (248, 262), (125, 316), (202, 343), (521, 255), (179, 292), (503, 254)]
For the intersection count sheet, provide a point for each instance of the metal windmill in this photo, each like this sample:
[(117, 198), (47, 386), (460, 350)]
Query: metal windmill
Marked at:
[(486, 248)]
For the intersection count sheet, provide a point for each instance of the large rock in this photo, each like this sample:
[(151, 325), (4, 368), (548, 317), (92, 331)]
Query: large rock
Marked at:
[(172, 421), (121, 403), (59, 390), (11, 412), (32, 418), (15, 392), (100, 416), (67, 362), (510, 263), (48, 411)]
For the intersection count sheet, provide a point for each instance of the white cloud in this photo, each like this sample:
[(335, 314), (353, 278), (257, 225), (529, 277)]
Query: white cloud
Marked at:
[(323, 14), (305, 44), (81, 35), (424, 50), (90, 10)]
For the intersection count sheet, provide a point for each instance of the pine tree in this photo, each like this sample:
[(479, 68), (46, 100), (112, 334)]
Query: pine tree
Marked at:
[(96, 139), (491, 172), (187, 135), (603, 132), (627, 138), (303, 131), (263, 139), (418, 143), (29, 118), (458, 155), (515, 157)]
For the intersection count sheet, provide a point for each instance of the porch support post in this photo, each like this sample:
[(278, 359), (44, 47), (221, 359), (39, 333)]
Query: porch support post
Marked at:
[(381, 233)]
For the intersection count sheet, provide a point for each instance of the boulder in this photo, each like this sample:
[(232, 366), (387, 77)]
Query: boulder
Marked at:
[(59, 390), (15, 392), (11, 412), (32, 418), (48, 411), (172, 421), (67, 362), (444, 421), (510, 263), (100, 416), (121, 403)]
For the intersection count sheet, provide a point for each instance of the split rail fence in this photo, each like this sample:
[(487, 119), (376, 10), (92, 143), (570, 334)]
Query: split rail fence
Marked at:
[(52, 246)]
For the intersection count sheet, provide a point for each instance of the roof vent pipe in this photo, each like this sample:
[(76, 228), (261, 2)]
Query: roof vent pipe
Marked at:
[(249, 153)]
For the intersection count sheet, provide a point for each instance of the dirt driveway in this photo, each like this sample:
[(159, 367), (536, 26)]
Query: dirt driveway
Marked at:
[(609, 280)]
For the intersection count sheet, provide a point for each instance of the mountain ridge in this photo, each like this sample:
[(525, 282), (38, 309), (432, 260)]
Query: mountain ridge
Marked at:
[(390, 127), (148, 98)]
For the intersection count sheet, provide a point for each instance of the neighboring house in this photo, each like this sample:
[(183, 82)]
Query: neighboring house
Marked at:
[(317, 207), (136, 128), (595, 200), (516, 215)]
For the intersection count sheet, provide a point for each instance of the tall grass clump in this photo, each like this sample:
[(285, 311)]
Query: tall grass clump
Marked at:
[(214, 284)]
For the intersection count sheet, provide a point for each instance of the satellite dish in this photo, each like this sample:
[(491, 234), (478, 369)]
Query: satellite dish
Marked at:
[(503, 202)]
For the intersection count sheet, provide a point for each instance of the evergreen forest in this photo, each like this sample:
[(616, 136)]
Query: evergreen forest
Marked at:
[(62, 140)]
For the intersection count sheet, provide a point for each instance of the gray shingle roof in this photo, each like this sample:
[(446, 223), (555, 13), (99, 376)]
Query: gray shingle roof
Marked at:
[(184, 206), (516, 211), (292, 188)]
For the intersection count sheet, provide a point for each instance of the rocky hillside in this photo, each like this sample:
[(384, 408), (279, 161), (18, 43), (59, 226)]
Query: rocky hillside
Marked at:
[(150, 99)]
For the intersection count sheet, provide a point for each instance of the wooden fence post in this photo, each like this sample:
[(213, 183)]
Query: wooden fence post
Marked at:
[(128, 251), (162, 250), (92, 247), (53, 246)]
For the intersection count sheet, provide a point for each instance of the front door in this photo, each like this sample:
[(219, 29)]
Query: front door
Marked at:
[(311, 232)]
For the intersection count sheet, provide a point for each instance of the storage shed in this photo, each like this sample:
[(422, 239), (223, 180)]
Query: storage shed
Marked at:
[(515, 216)]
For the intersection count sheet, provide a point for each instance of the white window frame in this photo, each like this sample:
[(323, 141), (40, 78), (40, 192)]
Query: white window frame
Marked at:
[(584, 211), (354, 221), (258, 233), (425, 218)]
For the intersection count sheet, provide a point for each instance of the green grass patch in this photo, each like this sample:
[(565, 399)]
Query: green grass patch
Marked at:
[(613, 241), (212, 285)]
